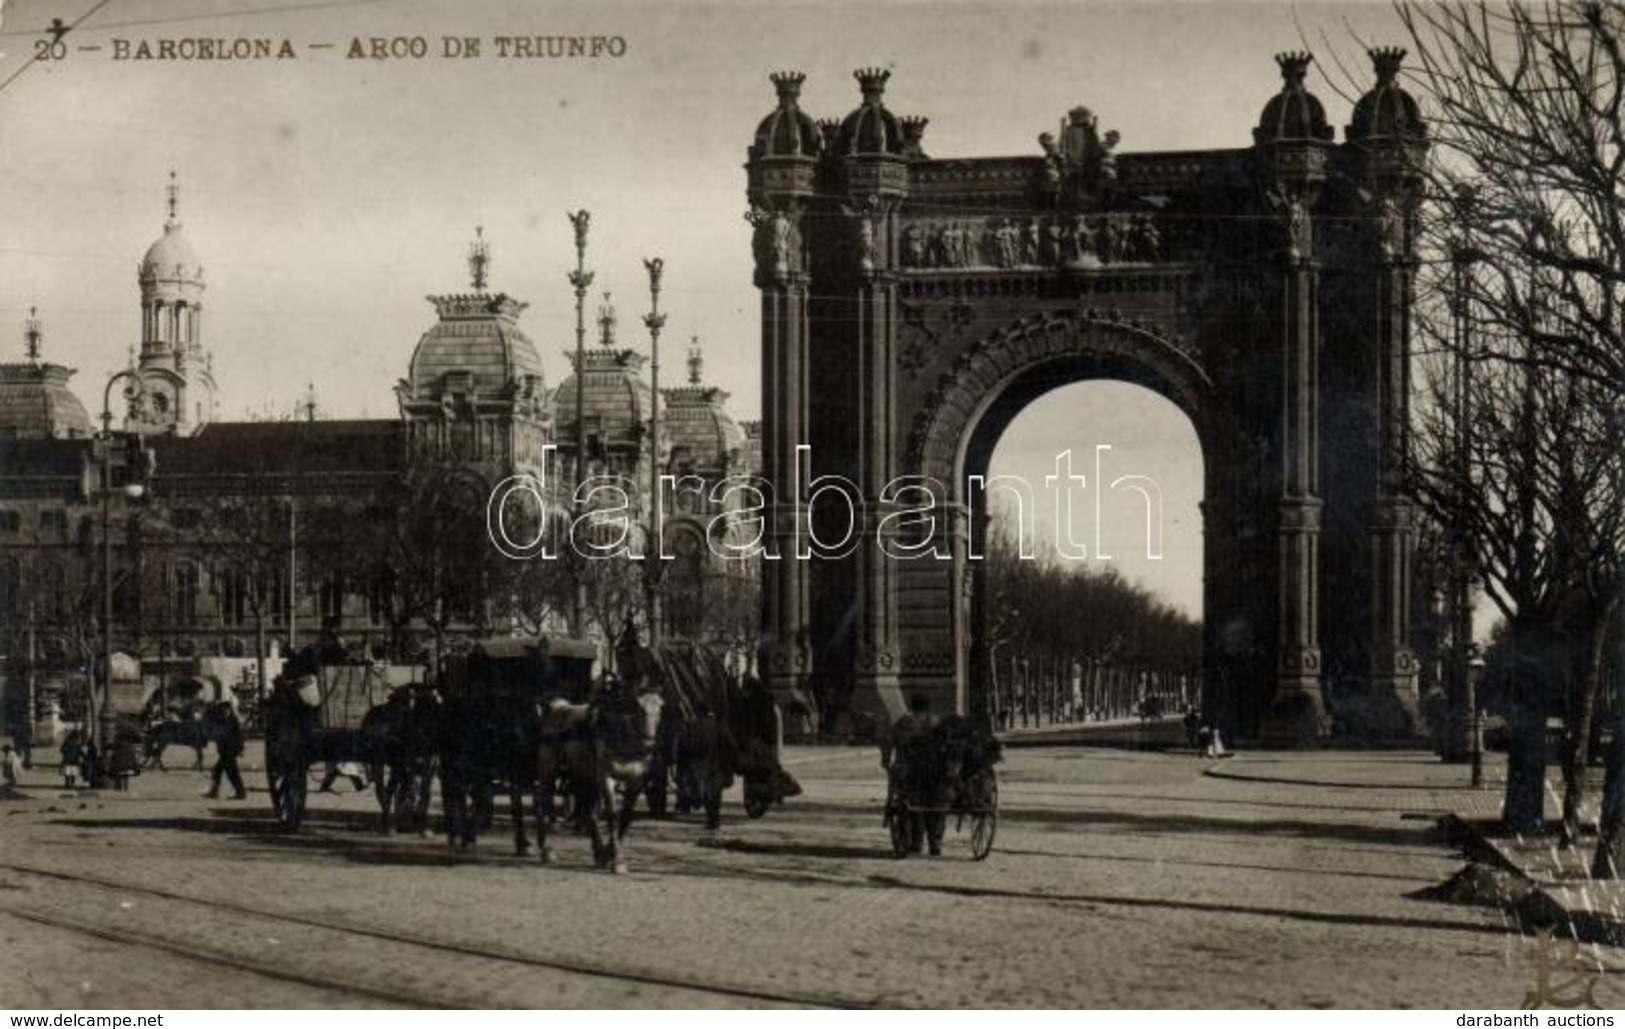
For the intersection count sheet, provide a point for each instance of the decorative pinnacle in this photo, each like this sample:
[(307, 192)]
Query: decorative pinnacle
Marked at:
[(695, 361), (830, 127), (872, 82), (174, 192), (788, 83), (479, 259), (657, 268), (1294, 66), (606, 323), (33, 335), (1386, 60), (580, 219)]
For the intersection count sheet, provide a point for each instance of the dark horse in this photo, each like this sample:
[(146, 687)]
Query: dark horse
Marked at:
[(292, 730), (605, 753), (487, 740), (399, 742), (175, 732)]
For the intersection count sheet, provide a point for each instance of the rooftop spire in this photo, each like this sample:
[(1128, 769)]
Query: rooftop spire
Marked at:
[(606, 323), (307, 407), (174, 192), (32, 335), (479, 259), (695, 361)]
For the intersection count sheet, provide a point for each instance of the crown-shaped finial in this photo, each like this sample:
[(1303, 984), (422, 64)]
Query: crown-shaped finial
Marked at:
[(788, 83), (32, 335), (1386, 60), (913, 134), (479, 259), (606, 323), (1294, 66), (872, 82)]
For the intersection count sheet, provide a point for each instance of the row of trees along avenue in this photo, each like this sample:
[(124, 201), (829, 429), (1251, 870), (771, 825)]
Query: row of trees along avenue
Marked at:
[(1521, 413)]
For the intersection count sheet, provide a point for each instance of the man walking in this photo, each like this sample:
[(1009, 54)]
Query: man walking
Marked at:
[(228, 744)]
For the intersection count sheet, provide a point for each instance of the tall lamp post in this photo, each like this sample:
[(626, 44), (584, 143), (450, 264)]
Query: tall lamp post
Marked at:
[(133, 391), (651, 569), (581, 278), (1469, 742)]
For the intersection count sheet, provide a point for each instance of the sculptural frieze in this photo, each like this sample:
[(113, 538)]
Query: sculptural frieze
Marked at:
[(1054, 241)]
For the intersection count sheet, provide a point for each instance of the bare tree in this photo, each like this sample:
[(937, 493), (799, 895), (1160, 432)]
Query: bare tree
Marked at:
[(1529, 219)]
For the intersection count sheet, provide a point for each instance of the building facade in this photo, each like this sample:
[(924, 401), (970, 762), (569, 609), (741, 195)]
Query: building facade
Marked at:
[(251, 537)]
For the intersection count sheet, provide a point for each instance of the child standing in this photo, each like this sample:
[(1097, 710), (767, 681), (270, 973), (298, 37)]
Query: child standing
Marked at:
[(73, 754)]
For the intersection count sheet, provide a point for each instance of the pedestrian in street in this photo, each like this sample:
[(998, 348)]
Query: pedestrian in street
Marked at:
[(22, 734), (228, 745), (73, 753), (1193, 726), (11, 765)]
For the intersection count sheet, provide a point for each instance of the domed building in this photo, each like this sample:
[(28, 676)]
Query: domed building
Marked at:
[(615, 396), (474, 395), (177, 375), (35, 401)]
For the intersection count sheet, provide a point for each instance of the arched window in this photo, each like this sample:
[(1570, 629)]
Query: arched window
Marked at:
[(183, 591), (235, 603), (331, 597)]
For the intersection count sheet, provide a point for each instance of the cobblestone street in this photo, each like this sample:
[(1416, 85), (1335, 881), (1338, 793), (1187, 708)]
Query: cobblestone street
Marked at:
[(1119, 878)]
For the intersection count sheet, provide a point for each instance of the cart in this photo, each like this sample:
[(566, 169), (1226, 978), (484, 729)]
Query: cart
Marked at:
[(946, 771)]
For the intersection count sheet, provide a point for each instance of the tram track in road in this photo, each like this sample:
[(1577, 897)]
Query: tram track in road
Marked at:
[(586, 969), (212, 959)]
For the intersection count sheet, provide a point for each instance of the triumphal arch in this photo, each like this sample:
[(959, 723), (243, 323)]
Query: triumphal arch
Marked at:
[(912, 305)]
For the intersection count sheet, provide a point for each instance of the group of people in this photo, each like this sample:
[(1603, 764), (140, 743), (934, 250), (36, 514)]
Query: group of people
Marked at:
[(81, 759)]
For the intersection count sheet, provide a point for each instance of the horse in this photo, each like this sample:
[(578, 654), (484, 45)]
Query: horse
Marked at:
[(399, 744), (292, 727), (701, 752), (194, 733), (486, 739), (610, 748)]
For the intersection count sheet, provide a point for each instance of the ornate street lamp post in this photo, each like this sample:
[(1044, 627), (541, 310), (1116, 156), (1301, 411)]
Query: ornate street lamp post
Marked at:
[(581, 278), (133, 391), (651, 568)]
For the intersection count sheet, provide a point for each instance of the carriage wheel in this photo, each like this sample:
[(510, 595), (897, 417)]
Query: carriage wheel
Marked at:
[(984, 824)]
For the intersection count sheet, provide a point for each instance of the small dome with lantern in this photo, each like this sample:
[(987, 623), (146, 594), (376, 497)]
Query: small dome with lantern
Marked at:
[(35, 401), (475, 351), (171, 258), (1387, 111), (704, 438), (871, 129), (1293, 114), (615, 395), (788, 131)]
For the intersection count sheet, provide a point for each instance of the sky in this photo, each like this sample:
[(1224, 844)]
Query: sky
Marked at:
[(328, 196)]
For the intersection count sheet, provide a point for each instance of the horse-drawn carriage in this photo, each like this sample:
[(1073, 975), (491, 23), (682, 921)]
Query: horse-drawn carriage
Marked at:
[(713, 729), (319, 715), (491, 725), (936, 770)]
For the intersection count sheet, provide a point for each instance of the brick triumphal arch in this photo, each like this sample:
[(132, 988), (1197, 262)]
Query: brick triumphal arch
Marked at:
[(912, 305)]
